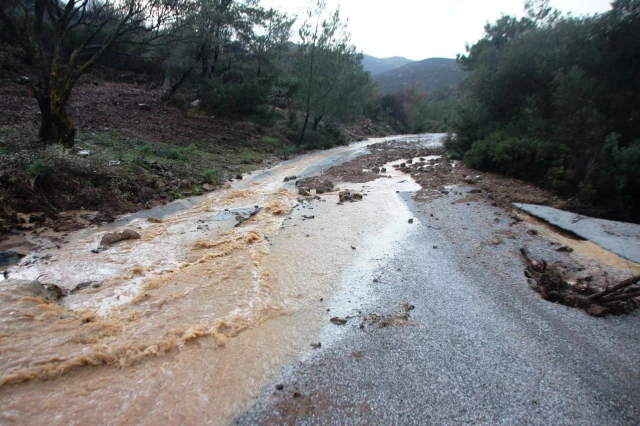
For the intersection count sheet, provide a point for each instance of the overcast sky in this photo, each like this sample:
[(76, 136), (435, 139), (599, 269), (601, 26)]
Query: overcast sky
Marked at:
[(420, 29)]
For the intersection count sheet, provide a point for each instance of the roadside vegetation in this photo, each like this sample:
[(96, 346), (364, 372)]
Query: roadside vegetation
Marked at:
[(555, 99)]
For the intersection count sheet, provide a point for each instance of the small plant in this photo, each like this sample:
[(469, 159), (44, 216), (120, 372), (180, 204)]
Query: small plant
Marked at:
[(213, 176), (145, 149), (287, 150), (104, 139), (192, 149), (39, 170), (197, 190), (176, 154), (271, 141)]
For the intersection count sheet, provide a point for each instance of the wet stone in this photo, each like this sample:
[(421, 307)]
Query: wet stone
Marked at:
[(114, 237)]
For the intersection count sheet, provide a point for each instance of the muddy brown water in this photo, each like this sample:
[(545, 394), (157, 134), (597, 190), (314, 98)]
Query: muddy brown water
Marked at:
[(189, 323)]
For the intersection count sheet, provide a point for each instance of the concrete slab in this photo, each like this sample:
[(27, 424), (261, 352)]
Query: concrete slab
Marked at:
[(620, 238)]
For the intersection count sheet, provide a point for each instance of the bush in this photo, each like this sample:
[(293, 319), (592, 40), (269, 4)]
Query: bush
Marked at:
[(525, 158), (213, 176), (39, 170), (145, 149), (450, 143)]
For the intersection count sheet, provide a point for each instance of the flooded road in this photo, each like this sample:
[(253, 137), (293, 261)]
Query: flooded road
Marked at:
[(187, 324)]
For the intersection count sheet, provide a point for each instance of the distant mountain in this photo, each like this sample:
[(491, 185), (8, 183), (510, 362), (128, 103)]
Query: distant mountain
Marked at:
[(429, 75), (379, 65)]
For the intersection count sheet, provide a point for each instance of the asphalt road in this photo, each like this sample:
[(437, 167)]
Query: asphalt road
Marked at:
[(483, 348)]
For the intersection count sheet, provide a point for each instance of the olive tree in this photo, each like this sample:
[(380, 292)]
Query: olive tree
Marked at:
[(64, 40)]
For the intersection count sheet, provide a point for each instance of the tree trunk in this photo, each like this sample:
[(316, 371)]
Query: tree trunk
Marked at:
[(55, 125), (316, 122), (304, 128), (168, 94), (46, 121), (63, 129)]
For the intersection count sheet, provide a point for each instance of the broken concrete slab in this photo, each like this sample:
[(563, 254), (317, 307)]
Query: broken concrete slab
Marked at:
[(620, 238)]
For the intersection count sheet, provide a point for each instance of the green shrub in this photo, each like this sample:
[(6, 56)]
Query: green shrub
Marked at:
[(517, 157), (269, 141), (145, 149), (40, 170), (213, 176), (287, 150), (177, 154), (450, 143)]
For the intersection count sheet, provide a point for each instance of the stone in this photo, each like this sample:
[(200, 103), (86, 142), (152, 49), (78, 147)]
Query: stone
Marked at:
[(208, 187), (322, 189), (383, 170), (288, 178), (144, 107), (185, 183), (349, 196), (84, 153), (238, 177), (114, 237), (469, 179), (304, 192), (154, 220), (338, 321), (410, 221), (195, 104), (147, 179), (232, 168)]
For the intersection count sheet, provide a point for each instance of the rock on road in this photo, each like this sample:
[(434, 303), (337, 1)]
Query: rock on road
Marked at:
[(483, 348)]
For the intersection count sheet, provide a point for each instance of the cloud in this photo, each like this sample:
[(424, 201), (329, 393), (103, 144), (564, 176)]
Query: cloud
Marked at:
[(427, 28)]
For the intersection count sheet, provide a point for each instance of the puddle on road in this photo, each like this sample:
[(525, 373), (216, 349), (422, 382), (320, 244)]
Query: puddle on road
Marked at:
[(582, 247), (238, 303)]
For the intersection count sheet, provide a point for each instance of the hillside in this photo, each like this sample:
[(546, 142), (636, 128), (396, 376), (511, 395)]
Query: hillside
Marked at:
[(379, 65), (428, 75)]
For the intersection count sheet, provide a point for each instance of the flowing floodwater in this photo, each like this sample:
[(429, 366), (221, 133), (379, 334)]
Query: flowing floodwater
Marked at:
[(187, 324)]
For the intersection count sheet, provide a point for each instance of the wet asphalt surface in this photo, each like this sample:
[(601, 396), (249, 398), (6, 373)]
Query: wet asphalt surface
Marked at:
[(483, 348)]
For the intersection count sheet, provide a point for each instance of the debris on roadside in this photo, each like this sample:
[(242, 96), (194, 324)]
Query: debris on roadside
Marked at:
[(552, 285), (349, 196), (339, 321), (399, 319)]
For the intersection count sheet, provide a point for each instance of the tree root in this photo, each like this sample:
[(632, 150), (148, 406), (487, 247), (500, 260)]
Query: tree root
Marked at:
[(551, 284)]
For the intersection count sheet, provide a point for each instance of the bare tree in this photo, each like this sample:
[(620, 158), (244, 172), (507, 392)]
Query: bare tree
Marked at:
[(65, 40)]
